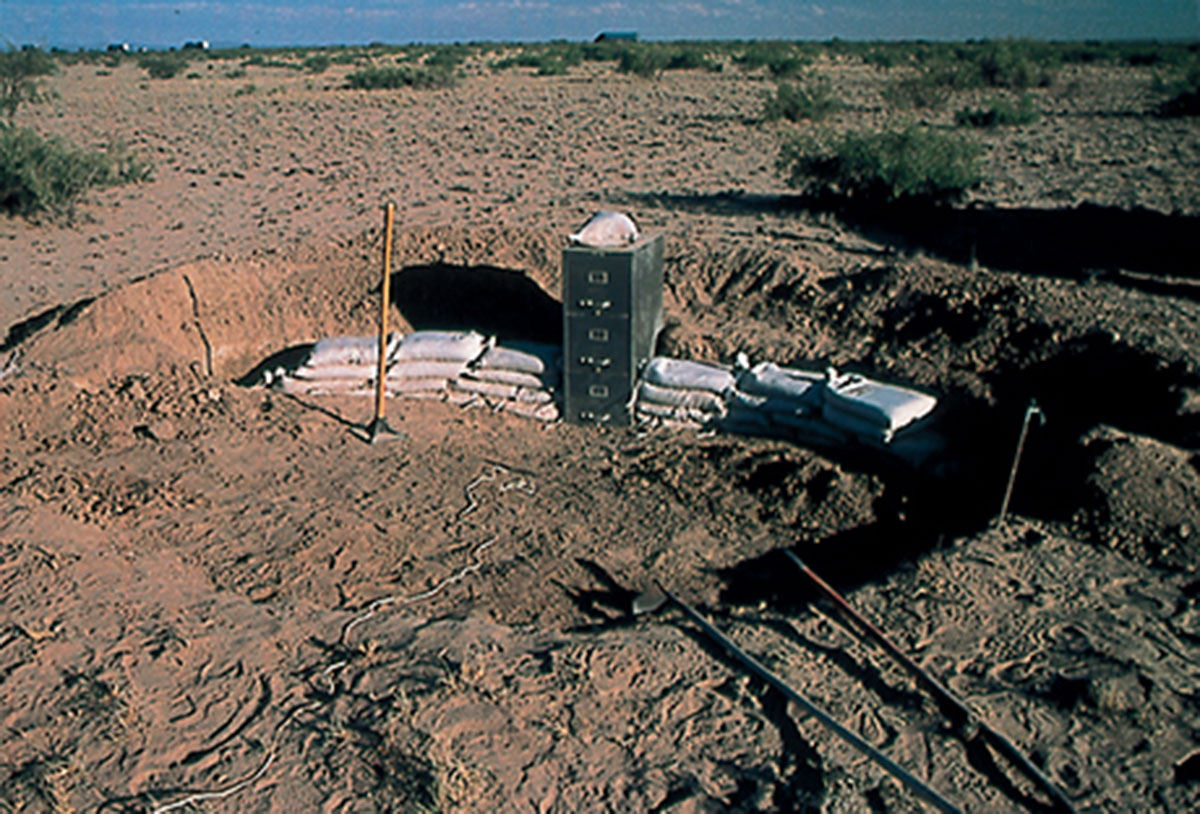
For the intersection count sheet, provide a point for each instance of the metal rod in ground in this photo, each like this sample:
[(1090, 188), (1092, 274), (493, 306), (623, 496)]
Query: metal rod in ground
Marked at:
[(1030, 411), (751, 664), (938, 690)]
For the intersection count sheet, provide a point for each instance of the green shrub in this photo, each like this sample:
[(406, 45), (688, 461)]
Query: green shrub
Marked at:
[(917, 92), (317, 63), (46, 175), (641, 60), (163, 65), (689, 59), (1185, 95), (20, 77), (881, 167), (391, 77), (1002, 113), (1016, 64), (797, 101), (779, 58)]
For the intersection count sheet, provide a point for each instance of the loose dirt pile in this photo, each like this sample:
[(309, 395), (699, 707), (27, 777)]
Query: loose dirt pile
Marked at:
[(215, 594)]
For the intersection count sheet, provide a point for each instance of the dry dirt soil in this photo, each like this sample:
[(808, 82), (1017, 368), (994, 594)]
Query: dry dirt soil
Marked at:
[(217, 598)]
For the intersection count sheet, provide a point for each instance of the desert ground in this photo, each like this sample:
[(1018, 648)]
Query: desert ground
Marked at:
[(217, 598)]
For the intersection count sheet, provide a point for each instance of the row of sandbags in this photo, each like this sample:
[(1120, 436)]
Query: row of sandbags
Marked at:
[(463, 367), (813, 408)]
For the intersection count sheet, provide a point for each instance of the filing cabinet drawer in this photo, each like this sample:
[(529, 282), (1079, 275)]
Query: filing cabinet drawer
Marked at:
[(599, 399), (597, 344)]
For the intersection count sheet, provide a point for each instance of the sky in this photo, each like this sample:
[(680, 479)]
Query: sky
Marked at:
[(227, 23)]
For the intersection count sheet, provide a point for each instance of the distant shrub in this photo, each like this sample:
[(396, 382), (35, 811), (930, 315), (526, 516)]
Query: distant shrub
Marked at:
[(1016, 64), (1184, 95), (163, 65), (881, 167), (779, 58), (235, 73), (797, 101), (688, 59), (391, 77), (20, 77), (641, 60), (917, 92), (446, 57), (553, 61), (246, 90), (1001, 113), (46, 175), (317, 63)]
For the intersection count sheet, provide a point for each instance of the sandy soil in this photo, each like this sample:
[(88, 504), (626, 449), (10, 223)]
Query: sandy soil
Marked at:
[(217, 597)]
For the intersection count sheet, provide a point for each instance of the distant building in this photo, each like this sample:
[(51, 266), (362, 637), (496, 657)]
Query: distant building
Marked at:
[(605, 36), (120, 48), (198, 45)]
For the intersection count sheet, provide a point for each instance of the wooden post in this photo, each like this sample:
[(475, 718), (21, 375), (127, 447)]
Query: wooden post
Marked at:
[(389, 214)]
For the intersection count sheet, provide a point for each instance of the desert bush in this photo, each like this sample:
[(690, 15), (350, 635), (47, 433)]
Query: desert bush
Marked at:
[(1001, 113), (913, 163), (1184, 94), (641, 60), (391, 77), (1016, 64), (779, 58), (690, 58), (46, 175), (926, 90), (317, 63), (20, 77), (797, 101), (163, 65)]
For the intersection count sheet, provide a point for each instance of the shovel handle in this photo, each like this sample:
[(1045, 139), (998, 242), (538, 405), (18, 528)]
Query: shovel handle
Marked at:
[(389, 215)]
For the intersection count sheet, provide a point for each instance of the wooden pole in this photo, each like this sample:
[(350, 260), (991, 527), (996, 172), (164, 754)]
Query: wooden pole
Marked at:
[(389, 215)]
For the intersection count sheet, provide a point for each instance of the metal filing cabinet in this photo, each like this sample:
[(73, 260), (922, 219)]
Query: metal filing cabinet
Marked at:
[(612, 313)]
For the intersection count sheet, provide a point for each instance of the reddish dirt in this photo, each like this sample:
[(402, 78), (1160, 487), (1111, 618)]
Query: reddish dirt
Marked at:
[(216, 595)]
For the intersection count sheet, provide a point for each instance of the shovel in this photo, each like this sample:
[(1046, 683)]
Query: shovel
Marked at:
[(378, 430)]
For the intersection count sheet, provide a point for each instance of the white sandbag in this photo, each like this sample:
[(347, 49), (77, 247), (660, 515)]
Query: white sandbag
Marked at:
[(499, 390), (517, 377), (647, 409), (332, 371), (807, 429), (702, 401), (683, 374), (404, 386), (744, 410), (426, 369), (855, 425), (605, 229), (886, 406), (524, 357), (459, 346), (350, 350), (542, 412), (782, 383), (324, 387), (495, 390)]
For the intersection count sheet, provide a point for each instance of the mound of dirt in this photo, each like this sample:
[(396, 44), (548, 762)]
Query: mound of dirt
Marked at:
[(1144, 498)]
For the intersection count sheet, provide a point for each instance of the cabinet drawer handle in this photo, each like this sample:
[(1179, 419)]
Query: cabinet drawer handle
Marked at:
[(598, 334), (597, 277), (598, 391)]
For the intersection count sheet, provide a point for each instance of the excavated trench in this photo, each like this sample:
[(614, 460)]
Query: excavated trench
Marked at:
[(985, 344)]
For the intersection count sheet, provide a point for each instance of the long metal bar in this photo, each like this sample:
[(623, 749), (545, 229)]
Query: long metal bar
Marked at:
[(936, 688), (1030, 411), (751, 664)]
